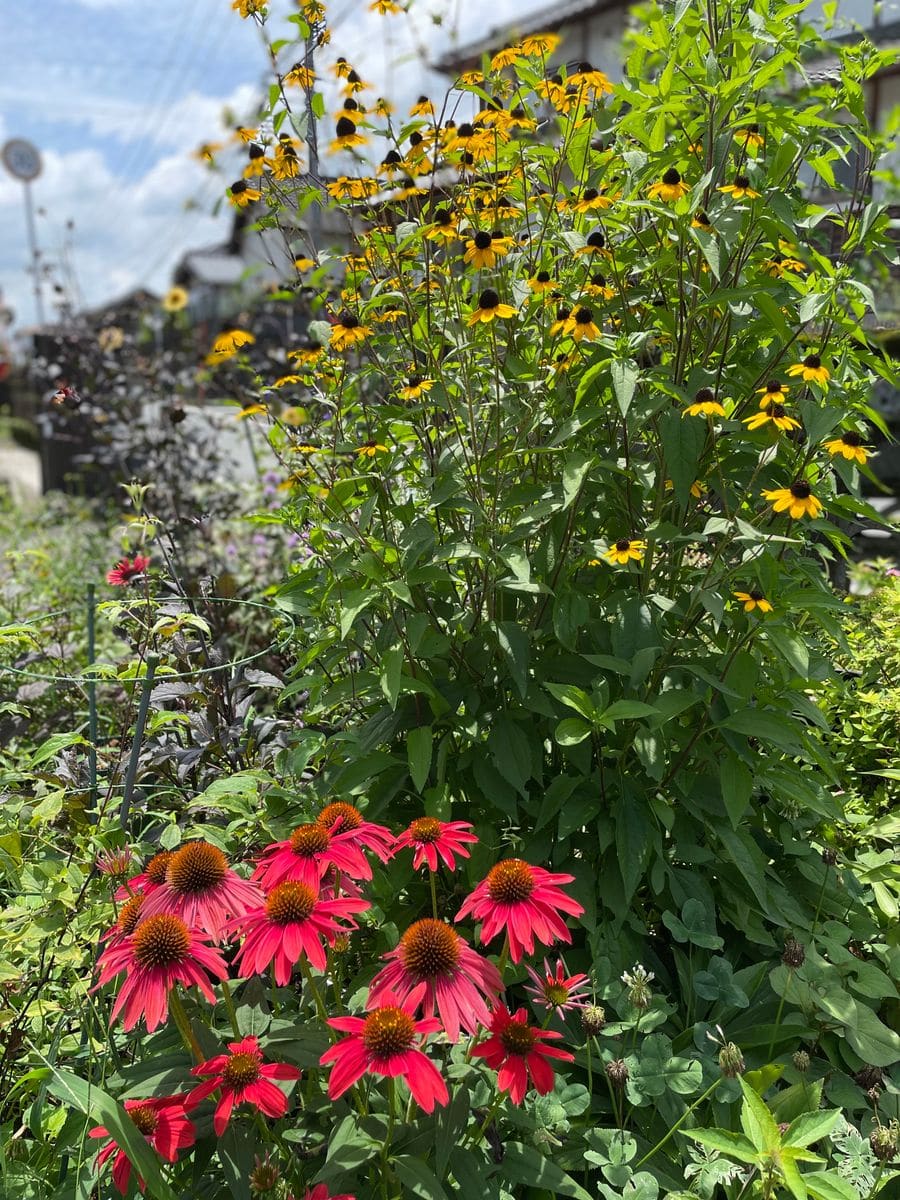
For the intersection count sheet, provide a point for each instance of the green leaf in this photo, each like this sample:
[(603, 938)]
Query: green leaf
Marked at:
[(634, 840), (624, 380), (526, 1165), (683, 439), (417, 1177), (697, 926), (734, 1145), (736, 783), (625, 710), (574, 698), (575, 471), (757, 1122), (511, 751), (797, 1099), (391, 672), (418, 754), (514, 644), (96, 1104), (571, 731), (811, 1127), (658, 1070), (793, 1178), (871, 1038), (717, 983), (52, 746), (354, 604), (829, 1185)]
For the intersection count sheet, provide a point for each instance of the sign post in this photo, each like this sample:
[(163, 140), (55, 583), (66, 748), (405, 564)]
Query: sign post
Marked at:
[(23, 161)]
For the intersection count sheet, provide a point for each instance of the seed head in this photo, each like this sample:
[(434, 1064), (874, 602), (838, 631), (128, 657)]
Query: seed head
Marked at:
[(617, 1072), (593, 1018), (801, 1061), (731, 1061), (794, 953)]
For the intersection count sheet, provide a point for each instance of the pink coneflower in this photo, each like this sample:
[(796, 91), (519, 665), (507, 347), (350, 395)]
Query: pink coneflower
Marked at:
[(308, 853), (152, 876), (114, 863), (557, 990), (341, 817), (127, 569), (524, 902), (161, 952), (294, 920), (202, 889), (457, 981), (243, 1078), (514, 1051), (432, 839), (127, 921), (163, 1122), (384, 1042)]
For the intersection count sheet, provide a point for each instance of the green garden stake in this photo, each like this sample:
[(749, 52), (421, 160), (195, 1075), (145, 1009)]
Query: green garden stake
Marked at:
[(152, 660), (92, 696)]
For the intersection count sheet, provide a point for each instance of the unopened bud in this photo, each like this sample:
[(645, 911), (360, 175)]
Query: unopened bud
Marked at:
[(593, 1018), (801, 1061), (617, 1072), (883, 1141), (794, 953), (829, 857), (265, 1174), (731, 1061)]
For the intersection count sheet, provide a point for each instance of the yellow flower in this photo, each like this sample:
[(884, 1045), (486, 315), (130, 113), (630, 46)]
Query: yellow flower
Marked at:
[(248, 8), (625, 549), (258, 162), (506, 58), (539, 44), (241, 193), (489, 307), (471, 78), (347, 188), (705, 405), (110, 338), (341, 68), (415, 387), (753, 599), (597, 286), (848, 445), (383, 108), (287, 380), (348, 332), (354, 84), (774, 413), (796, 500), (207, 151), (580, 325), (670, 187), (227, 344), (701, 221), (250, 410), (246, 135), (306, 355), (422, 108), (772, 393), (750, 137), (175, 299), (346, 136), (304, 264), (370, 449), (385, 7), (595, 244), (810, 370), (542, 282), (294, 416), (586, 76), (485, 248), (740, 189), (779, 263), (286, 164), (300, 76)]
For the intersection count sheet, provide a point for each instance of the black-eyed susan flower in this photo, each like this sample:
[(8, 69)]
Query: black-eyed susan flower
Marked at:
[(670, 187), (175, 299), (595, 244), (779, 264), (345, 187), (587, 76), (415, 387), (300, 76), (391, 164), (505, 58), (245, 134), (286, 163), (230, 341), (705, 405), (370, 449), (340, 68), (749, 137), (810, 369), (774, 392), (697, 488), (385, 7), (353, 83), (774, 414), (518, 118), (797, 500), (346, 135), (539, 45), (542, 282), (207, 151), (248, 8), (305, 356), (563, 361), (701, 221), (287, 381), (562, 317), (485, 248), (422, 108), (597, 285), (250, 410), (753, 599), (626, 550), (489, 308), (241, 193), (590, 200), (383, 107), (348, 332), (848, 445), (740, 189), (581, 326)]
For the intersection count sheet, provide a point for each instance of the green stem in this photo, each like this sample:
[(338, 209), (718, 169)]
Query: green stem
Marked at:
[(486, 1123), (229, 1004), (317, 999), (176, 1008), (778, 1015), (434, 906), (678, 1124)]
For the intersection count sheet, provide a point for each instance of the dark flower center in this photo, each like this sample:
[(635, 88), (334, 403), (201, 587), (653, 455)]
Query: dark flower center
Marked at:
[(241, 1070), (155, 869), (851, 439), (415, 138), (388, 1031), (146, 1118), (510, 881), (623, 544), (425, 830), (465, 130), (702, 218), (813, 361), (598, 279), (238, 187), (488, 299), (705, 396), (429, 948), (290, 902), (741, 181), (391, 159), (543, 277), (755, 595), (518, 1038), (309, 840), (350, 105), (777, 410), (482, 239), (671, 177), (161, 941), (443, 217), (348, 321), (130, 914), (773, 386), (597, 240), (583, 316), (753, 128), (590, 194), (345, 127), (196, 867), (256, 152), (340, 813), (800, 489)]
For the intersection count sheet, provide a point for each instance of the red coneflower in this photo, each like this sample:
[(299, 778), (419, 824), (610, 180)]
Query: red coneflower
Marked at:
[(457, 981), (163, 1122), (384, 1042), (515, 1052), (557, 990), (524, 902), (293, 921), (307, 854), (432, 839), (161, 952), (341, 817), (129, 916), (321, 1192), (202, 889), (152, 876), (243, 1078), (127, 569)]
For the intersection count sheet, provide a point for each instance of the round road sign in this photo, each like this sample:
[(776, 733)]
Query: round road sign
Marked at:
[(21, 159)]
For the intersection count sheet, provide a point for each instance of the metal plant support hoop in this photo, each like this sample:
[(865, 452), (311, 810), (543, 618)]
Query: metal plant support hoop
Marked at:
[(89, 679)]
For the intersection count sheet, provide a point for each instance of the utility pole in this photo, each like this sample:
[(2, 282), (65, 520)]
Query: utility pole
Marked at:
[(23, 161)]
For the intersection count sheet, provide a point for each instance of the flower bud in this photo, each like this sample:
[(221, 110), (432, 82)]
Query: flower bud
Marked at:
[(801, 1061), (265, 1174), (731, 1061), (883, 1141), (617, 1072), (794, 953), (593, 1018)]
